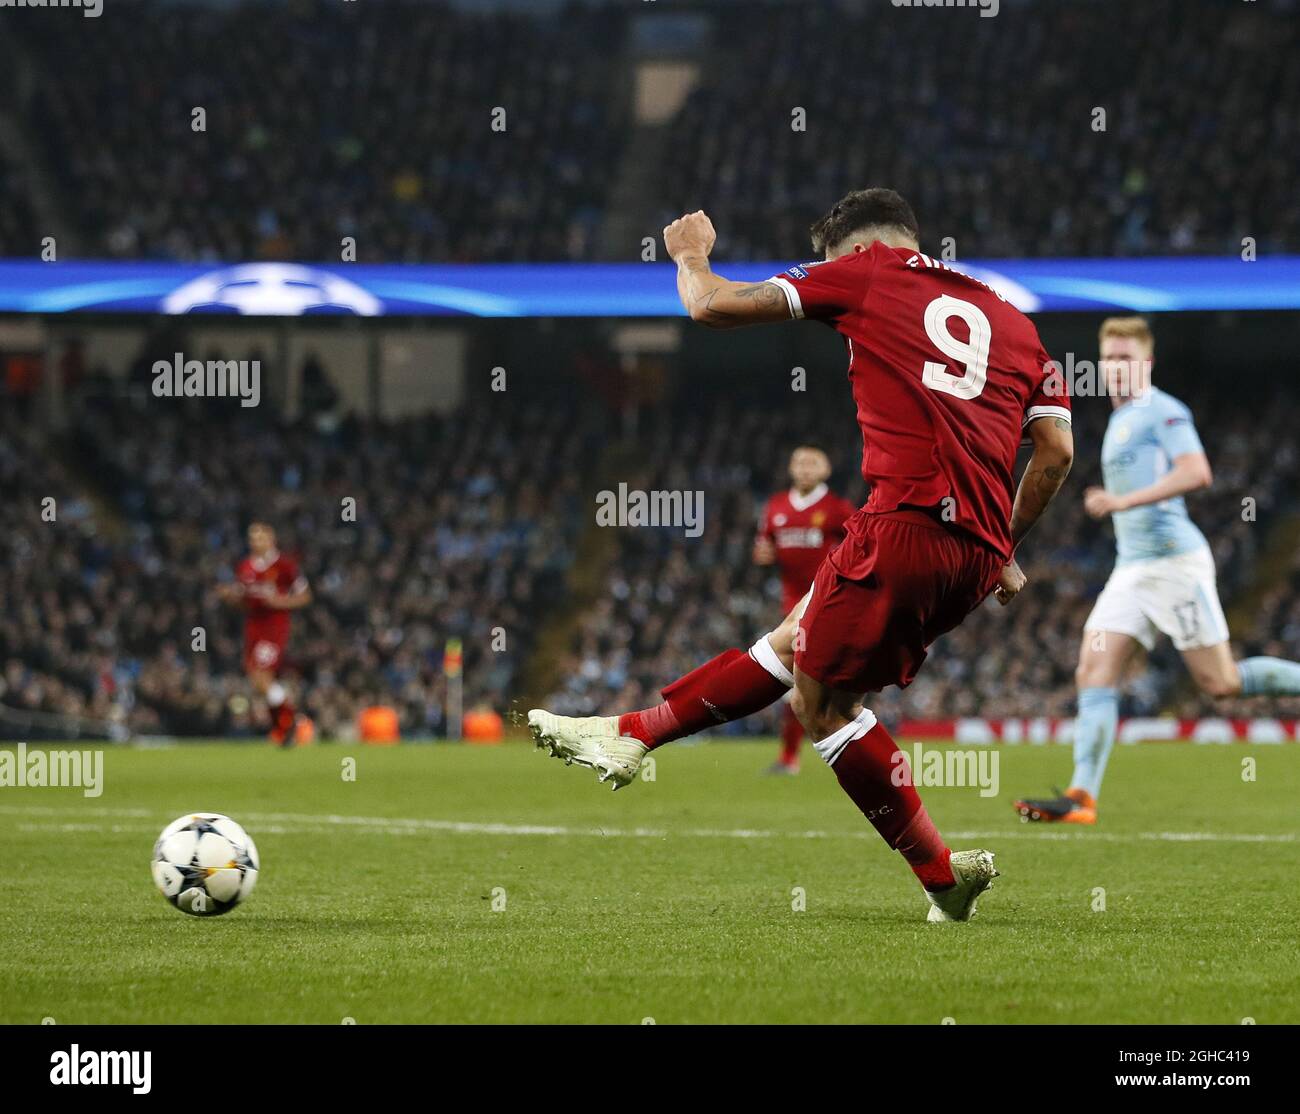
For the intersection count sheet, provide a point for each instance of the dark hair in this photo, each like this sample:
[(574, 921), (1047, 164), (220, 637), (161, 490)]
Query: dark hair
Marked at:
[(808, 443), (861, 209)]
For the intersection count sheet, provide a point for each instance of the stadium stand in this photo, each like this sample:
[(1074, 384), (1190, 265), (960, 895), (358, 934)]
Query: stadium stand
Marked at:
[(458, 531), (961, 132), (455, 535), (322, 121), (325, 121), (16, 218)]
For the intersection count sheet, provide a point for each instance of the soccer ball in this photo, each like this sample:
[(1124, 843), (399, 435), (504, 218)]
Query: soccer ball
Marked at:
[(205, 864)]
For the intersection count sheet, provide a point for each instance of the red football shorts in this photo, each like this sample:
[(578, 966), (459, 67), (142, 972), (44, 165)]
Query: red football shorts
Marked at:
[(896, 583), (264, 646)]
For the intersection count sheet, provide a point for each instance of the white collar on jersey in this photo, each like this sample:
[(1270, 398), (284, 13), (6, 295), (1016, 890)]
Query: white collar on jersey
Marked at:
[(803, 502), (261, 564)]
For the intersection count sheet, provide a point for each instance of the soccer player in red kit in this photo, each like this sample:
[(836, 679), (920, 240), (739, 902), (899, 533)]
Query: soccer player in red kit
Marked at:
[(269, 586), (798, 529), (946, 377)]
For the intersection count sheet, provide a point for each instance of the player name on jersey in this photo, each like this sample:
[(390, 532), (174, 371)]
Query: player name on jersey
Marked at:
[(799, 537)]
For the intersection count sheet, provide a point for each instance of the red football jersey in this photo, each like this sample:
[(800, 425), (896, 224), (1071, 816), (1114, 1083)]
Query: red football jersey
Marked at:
[(945, 374), (803, 529), (274, 575)]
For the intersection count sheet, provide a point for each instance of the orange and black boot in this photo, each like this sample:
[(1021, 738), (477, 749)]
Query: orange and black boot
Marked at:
[(1074, 806)]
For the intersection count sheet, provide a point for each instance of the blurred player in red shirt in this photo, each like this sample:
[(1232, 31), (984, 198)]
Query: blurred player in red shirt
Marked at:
[(269, 586), (947, 377), (798, 528)]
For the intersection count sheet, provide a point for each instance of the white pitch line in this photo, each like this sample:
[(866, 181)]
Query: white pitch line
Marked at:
[(288, 822), (88, 810)]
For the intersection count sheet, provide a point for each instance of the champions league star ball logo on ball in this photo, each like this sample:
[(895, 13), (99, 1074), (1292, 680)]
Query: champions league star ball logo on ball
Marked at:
[(272, 290)]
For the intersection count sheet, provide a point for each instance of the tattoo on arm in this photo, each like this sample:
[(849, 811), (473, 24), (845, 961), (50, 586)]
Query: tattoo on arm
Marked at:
[(763, 292), (763, 295), (1046, 471), (1038, 486)]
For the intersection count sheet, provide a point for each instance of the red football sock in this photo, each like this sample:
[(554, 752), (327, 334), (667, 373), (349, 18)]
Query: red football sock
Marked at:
[(731, 686), (791, 737), (866, 771)]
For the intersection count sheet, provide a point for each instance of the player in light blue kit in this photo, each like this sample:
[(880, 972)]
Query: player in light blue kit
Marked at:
[(1163, 582)]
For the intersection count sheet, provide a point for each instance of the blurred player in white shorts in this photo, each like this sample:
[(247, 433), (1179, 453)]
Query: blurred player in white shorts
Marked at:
[(1176, 596), (1164, 580)]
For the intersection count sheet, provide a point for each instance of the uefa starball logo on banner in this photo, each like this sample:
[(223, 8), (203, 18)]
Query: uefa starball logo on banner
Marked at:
[(272, 290)]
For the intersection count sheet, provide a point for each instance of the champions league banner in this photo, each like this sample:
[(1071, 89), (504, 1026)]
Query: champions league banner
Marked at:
[(598, 289)]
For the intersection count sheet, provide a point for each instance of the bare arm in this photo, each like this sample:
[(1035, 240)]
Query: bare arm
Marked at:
[(230, 593), (1048, 466), (1044, 474), (721, 303), (710, 299), (1189, 472)]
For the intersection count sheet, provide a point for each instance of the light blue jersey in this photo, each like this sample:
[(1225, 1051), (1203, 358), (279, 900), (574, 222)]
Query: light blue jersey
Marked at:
[(1142, 439)]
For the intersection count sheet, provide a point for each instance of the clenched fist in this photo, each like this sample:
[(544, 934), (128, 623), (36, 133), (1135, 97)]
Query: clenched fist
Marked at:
[(1010, 581), (1099, 502), (691, 234)]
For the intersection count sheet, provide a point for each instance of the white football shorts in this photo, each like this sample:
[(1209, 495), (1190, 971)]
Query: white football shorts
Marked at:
[(1175, 595)]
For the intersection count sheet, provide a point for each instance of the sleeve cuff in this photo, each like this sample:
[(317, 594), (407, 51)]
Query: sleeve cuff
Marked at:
[(791, 295), (1033, 412)]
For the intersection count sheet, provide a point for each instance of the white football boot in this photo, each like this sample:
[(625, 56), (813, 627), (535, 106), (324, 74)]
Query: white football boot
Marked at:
[(974, 872), (591, 741)]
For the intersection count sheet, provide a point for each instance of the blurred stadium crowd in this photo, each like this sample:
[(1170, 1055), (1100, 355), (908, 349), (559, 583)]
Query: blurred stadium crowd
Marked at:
[(375, 121), (989, 131), (324, 121), (459, 532), (16, 218), (454, 534)]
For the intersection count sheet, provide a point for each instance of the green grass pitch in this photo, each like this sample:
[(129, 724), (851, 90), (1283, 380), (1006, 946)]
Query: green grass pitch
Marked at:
[(463, 884)]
